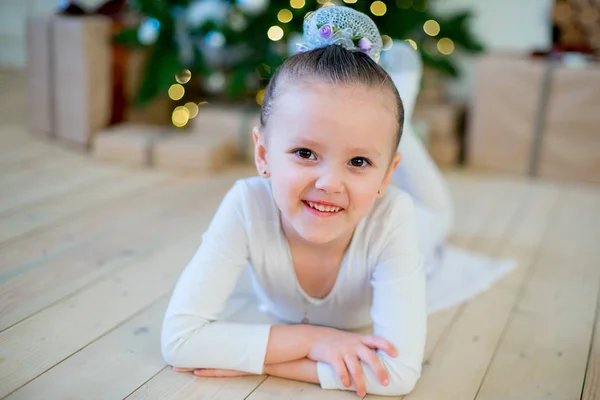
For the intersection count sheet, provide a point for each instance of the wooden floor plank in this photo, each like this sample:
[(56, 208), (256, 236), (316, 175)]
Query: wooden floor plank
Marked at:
[(544, 351), (42, 281), (38, 343), (113, 366), (459, 362), (25, 220), (47, 184)]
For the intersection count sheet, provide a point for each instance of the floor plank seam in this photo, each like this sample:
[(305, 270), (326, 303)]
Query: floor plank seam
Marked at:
[(587, 364), (144, 383), (140, 311), (257, 386)]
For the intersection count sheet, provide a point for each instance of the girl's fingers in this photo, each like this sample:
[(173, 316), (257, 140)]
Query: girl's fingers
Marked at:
[(375, 342), (370, 358), (356, 373), (218, 373), (177, 369), (340, 369)]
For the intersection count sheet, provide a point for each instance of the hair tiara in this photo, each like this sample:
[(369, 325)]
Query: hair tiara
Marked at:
[(343, 26)]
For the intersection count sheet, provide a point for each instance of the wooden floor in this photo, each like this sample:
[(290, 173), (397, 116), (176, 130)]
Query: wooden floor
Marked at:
[(89, 253)]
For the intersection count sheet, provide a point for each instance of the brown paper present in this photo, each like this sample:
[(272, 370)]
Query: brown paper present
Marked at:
[(195, 152), (127, 143), (237, 121), (570, 144), (504, 112), (39, 86), (81, 76)]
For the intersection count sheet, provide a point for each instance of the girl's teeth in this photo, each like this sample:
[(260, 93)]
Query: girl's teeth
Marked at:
[(323, 208)]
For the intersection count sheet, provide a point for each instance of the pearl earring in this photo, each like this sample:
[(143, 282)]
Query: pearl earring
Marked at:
[(264, 171)]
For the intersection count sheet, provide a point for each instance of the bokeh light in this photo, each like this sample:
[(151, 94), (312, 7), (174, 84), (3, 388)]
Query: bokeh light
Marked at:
[(378, 8), (285, 16), (431, 27), (275, 33), (445, 46), (180, 116), (176, 91)]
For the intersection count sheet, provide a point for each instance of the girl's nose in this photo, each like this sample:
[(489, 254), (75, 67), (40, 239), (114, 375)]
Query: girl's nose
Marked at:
[(330, 180)]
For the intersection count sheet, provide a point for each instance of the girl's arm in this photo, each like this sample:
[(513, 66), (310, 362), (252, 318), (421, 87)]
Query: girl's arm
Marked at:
[(398, 311), (303, 370)]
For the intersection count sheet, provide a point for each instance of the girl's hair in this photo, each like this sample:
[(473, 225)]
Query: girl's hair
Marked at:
[(332, 64)]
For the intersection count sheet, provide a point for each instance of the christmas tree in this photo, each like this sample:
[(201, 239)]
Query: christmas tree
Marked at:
[(231, 48)]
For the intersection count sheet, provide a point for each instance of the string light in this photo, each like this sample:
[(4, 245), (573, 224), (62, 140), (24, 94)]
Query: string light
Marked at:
[(184, 76), (297, 3), (275, 33), (260, 96), (180, 116), (445, 46), (176, 91), (378, 8), (412, 43), (285, 16), (431, 27), (388, 43), (192, 108)]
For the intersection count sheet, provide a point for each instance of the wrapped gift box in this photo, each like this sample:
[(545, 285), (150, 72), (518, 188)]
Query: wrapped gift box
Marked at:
[(196, 152), (570, 145), (504, 111), (69, 76), (39, 84), (128, 143), (81, 75), (536, 117)]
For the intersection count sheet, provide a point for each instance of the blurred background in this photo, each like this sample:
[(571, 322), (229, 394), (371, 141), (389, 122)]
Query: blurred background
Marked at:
[(505, 85)]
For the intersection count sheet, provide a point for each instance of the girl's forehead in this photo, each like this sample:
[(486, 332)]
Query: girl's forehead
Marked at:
[(336, 103), (354, 115)]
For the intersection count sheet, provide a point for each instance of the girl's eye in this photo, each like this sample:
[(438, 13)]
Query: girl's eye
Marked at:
[(304, 153), (359, 162)]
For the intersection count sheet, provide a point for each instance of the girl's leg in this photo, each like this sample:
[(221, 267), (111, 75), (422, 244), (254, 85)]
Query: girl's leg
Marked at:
[(419, 176)]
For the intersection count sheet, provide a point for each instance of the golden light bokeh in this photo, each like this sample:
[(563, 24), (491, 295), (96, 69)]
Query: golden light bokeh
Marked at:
[(378, 8), (180, 116), (184, 76), (412, 43), (275, 33), (431, 27), (192, 108), (176, 91), (445, 46), (297, 3), (387, 42), (350, 1), (285, 16), (260, 96), (329, 4)]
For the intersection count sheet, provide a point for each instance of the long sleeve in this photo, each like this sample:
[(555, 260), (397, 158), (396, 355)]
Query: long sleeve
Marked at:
[(192, 334), (398, 309)]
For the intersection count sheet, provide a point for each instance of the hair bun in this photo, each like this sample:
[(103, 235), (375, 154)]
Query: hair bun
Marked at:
[(343, 26)]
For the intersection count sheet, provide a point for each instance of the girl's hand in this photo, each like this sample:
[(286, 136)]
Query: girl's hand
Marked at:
[(344, 351), (212, 372)]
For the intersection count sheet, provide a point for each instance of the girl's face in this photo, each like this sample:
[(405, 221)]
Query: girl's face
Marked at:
[(328, 150)]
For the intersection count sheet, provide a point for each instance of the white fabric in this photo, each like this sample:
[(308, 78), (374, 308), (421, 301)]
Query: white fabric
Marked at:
[(453, 275), (381, 283)]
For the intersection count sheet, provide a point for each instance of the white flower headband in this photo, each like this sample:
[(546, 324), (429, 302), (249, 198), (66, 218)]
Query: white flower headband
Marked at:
[(343, 26)]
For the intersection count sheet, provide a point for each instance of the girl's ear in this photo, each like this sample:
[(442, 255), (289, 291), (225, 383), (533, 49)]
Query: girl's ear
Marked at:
[(260, 152), (388, 175)]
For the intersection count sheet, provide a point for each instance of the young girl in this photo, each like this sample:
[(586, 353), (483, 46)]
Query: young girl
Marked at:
[(333, 248)]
